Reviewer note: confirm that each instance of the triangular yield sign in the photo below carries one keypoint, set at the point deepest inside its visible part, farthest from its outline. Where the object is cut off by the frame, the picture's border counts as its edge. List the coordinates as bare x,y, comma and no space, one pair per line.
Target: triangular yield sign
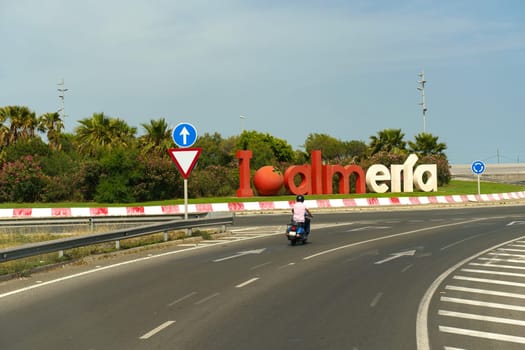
185,159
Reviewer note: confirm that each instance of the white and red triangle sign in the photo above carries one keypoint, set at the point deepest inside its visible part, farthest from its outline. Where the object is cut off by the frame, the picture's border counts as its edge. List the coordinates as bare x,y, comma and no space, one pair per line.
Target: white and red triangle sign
185,159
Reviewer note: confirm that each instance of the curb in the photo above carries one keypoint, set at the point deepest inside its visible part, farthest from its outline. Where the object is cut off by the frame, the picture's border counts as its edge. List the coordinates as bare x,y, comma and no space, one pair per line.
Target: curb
342,203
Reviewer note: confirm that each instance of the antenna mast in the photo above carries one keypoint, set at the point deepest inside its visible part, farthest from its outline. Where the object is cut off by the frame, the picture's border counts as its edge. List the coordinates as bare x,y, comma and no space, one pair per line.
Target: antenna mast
423,104
62,91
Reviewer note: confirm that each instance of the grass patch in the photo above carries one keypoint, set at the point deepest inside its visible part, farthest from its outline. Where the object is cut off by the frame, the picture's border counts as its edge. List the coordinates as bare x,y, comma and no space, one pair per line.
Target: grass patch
455,187
24,267
16,239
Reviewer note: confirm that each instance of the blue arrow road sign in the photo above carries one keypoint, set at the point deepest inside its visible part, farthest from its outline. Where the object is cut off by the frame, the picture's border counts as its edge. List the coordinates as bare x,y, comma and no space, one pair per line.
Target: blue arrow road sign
478,167
184,135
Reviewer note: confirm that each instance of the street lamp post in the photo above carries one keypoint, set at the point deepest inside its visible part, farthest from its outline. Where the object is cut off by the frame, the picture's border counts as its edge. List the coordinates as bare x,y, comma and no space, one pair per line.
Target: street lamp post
423,104
243,118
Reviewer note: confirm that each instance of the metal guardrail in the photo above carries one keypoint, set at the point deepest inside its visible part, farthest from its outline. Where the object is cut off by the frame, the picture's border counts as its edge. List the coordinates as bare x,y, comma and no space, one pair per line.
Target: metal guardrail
68,243
29,224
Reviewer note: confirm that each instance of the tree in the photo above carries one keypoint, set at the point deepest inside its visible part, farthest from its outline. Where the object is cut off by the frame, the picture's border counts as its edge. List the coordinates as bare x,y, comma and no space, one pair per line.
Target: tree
4,130
335,150
22,123
332,148
52,124
216,150
267,150
157,138
427,144
388,140
355,150
26,147
120,169
4,135
103,133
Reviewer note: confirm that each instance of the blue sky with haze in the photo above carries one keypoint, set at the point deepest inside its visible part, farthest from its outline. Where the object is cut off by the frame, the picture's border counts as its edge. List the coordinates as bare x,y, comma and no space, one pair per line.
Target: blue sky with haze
345,68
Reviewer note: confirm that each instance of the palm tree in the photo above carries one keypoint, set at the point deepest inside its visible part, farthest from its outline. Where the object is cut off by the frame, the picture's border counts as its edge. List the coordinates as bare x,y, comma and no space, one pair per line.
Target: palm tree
427,144
53,125
157,137
4,130
23,122
388,140
4,135
102,132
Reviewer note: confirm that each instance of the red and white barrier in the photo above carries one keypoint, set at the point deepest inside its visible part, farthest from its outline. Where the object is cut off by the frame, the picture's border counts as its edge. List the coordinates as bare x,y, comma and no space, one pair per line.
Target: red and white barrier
253,206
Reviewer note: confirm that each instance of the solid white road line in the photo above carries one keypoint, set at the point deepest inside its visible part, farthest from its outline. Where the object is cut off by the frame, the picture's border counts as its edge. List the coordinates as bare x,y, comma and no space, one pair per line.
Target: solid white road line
188,246
88,272
481,318
156,330
247,282
484,335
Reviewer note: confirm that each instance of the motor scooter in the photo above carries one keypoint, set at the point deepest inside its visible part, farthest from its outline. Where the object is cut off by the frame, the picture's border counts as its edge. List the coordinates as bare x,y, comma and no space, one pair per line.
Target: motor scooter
298,231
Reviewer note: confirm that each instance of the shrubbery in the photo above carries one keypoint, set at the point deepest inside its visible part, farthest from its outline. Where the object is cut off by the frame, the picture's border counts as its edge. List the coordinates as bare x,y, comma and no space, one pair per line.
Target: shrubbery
104,161
22,181
125,177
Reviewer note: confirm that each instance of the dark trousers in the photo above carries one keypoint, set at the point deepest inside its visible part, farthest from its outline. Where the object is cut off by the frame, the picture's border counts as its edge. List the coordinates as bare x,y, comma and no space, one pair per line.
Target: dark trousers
307,225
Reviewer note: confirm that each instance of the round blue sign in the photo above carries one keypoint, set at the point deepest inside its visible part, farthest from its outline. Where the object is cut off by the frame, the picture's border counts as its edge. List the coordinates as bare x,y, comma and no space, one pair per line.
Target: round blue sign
478,167
184,135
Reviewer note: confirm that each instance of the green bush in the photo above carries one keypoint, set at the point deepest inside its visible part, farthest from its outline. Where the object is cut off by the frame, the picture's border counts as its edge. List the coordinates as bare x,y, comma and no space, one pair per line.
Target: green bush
22,181
159,179
213,181
87,178
114,189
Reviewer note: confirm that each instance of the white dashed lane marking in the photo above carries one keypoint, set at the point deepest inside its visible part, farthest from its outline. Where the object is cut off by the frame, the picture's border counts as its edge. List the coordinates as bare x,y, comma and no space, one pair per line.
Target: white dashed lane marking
157,330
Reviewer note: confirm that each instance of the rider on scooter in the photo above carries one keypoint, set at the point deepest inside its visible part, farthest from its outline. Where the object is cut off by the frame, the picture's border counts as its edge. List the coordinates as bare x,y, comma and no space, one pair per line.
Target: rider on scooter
301,214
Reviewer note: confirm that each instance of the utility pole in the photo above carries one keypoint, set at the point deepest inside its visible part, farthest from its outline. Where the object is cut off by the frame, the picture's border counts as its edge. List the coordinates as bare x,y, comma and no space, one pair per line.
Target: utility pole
62,91
423,104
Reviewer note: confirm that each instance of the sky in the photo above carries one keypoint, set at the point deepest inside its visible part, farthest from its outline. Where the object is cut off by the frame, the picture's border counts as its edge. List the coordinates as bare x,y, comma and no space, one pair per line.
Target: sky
290,68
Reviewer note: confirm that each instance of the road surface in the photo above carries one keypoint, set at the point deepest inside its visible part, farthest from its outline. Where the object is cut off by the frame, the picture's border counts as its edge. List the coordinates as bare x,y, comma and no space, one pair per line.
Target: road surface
408,279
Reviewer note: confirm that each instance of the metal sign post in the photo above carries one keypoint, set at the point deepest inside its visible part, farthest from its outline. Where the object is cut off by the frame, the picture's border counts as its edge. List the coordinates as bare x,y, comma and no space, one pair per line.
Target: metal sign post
185,199
184,135
478,167
185,159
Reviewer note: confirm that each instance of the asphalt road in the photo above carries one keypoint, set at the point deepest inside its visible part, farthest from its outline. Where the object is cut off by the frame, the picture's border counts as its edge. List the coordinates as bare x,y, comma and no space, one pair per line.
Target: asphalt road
408,279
